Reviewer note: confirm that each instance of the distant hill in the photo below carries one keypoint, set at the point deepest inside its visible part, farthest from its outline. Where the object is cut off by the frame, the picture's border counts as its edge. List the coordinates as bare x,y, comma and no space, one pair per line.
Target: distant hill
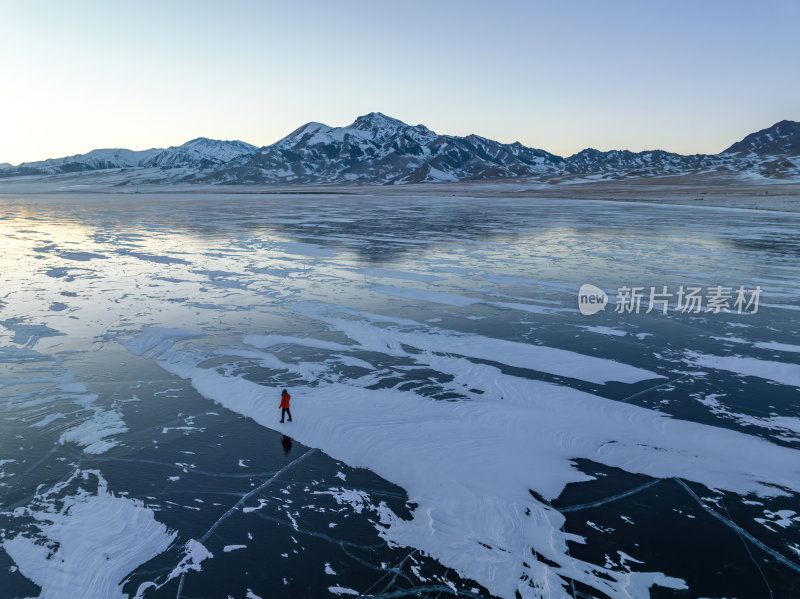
379,149
782,139
201,153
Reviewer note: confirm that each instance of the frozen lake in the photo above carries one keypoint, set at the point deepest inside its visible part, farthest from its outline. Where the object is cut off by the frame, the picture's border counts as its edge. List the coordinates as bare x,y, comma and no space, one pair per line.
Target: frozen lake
460,428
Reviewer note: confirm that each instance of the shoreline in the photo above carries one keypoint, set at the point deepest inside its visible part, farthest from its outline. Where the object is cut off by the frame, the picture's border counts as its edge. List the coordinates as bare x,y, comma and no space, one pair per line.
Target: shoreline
687,190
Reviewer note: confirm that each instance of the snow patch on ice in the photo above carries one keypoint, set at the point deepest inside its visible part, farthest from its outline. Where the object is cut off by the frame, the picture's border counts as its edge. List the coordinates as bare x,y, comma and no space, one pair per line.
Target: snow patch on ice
262,341
601,330
779,372
512,353
778,346
93,434
194,555
337,590
87,545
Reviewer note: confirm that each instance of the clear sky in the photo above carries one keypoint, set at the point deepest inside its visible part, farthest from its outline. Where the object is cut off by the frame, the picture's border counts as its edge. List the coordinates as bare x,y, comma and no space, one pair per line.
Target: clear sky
682,75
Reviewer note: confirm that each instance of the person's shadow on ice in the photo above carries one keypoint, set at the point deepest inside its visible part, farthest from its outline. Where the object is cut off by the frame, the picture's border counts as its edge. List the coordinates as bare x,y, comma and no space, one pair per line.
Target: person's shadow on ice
286,442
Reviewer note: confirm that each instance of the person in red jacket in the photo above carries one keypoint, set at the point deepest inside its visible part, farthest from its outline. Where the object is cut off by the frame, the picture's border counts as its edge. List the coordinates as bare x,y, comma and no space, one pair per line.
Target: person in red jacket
285,397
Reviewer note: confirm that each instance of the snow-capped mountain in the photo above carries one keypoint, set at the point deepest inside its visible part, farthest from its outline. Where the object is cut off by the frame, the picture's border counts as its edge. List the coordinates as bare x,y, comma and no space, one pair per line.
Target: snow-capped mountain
378,149
771,152
782,139
94,160
200,153
624,163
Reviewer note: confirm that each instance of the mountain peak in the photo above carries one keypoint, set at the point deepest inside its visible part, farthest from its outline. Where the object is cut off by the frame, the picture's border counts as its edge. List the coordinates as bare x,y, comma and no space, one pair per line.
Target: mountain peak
200,150
310,128
376,120
208,142
382,128
783,138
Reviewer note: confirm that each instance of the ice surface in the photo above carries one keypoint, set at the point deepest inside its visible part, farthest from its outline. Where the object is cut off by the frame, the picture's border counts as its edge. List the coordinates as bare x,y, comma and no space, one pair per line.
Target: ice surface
26,333
474,452
395,274
272,340
437,297
150,337
86,544
434,346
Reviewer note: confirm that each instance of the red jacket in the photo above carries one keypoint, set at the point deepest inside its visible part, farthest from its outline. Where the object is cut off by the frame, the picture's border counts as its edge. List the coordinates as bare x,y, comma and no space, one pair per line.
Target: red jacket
285,401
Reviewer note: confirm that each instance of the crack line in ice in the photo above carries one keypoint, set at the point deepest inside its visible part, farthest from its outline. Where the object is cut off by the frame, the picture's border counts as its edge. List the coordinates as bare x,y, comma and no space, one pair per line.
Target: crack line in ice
241,501
749,553
191,471
742,532
653,388
396,569
342,543
584,506
425,589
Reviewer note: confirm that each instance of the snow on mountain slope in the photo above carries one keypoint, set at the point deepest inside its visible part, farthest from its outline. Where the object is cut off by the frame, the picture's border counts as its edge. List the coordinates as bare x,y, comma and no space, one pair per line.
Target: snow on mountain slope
782,139
770,153
376,148
201,153
624,163
94,160
197,155
305,131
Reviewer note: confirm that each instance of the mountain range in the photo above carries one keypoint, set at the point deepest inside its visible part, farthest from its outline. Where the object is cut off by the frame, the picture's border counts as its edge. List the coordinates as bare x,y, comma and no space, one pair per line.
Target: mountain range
378,149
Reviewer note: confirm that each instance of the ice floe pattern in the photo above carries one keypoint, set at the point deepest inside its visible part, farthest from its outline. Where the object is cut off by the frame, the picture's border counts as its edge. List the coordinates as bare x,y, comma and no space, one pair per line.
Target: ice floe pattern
469,465
96,434
779,372
152,337
436,344
84,543
41,392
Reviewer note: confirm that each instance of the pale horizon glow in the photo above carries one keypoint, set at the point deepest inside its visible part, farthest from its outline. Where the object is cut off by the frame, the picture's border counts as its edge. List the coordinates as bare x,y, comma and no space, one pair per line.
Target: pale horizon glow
688,77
